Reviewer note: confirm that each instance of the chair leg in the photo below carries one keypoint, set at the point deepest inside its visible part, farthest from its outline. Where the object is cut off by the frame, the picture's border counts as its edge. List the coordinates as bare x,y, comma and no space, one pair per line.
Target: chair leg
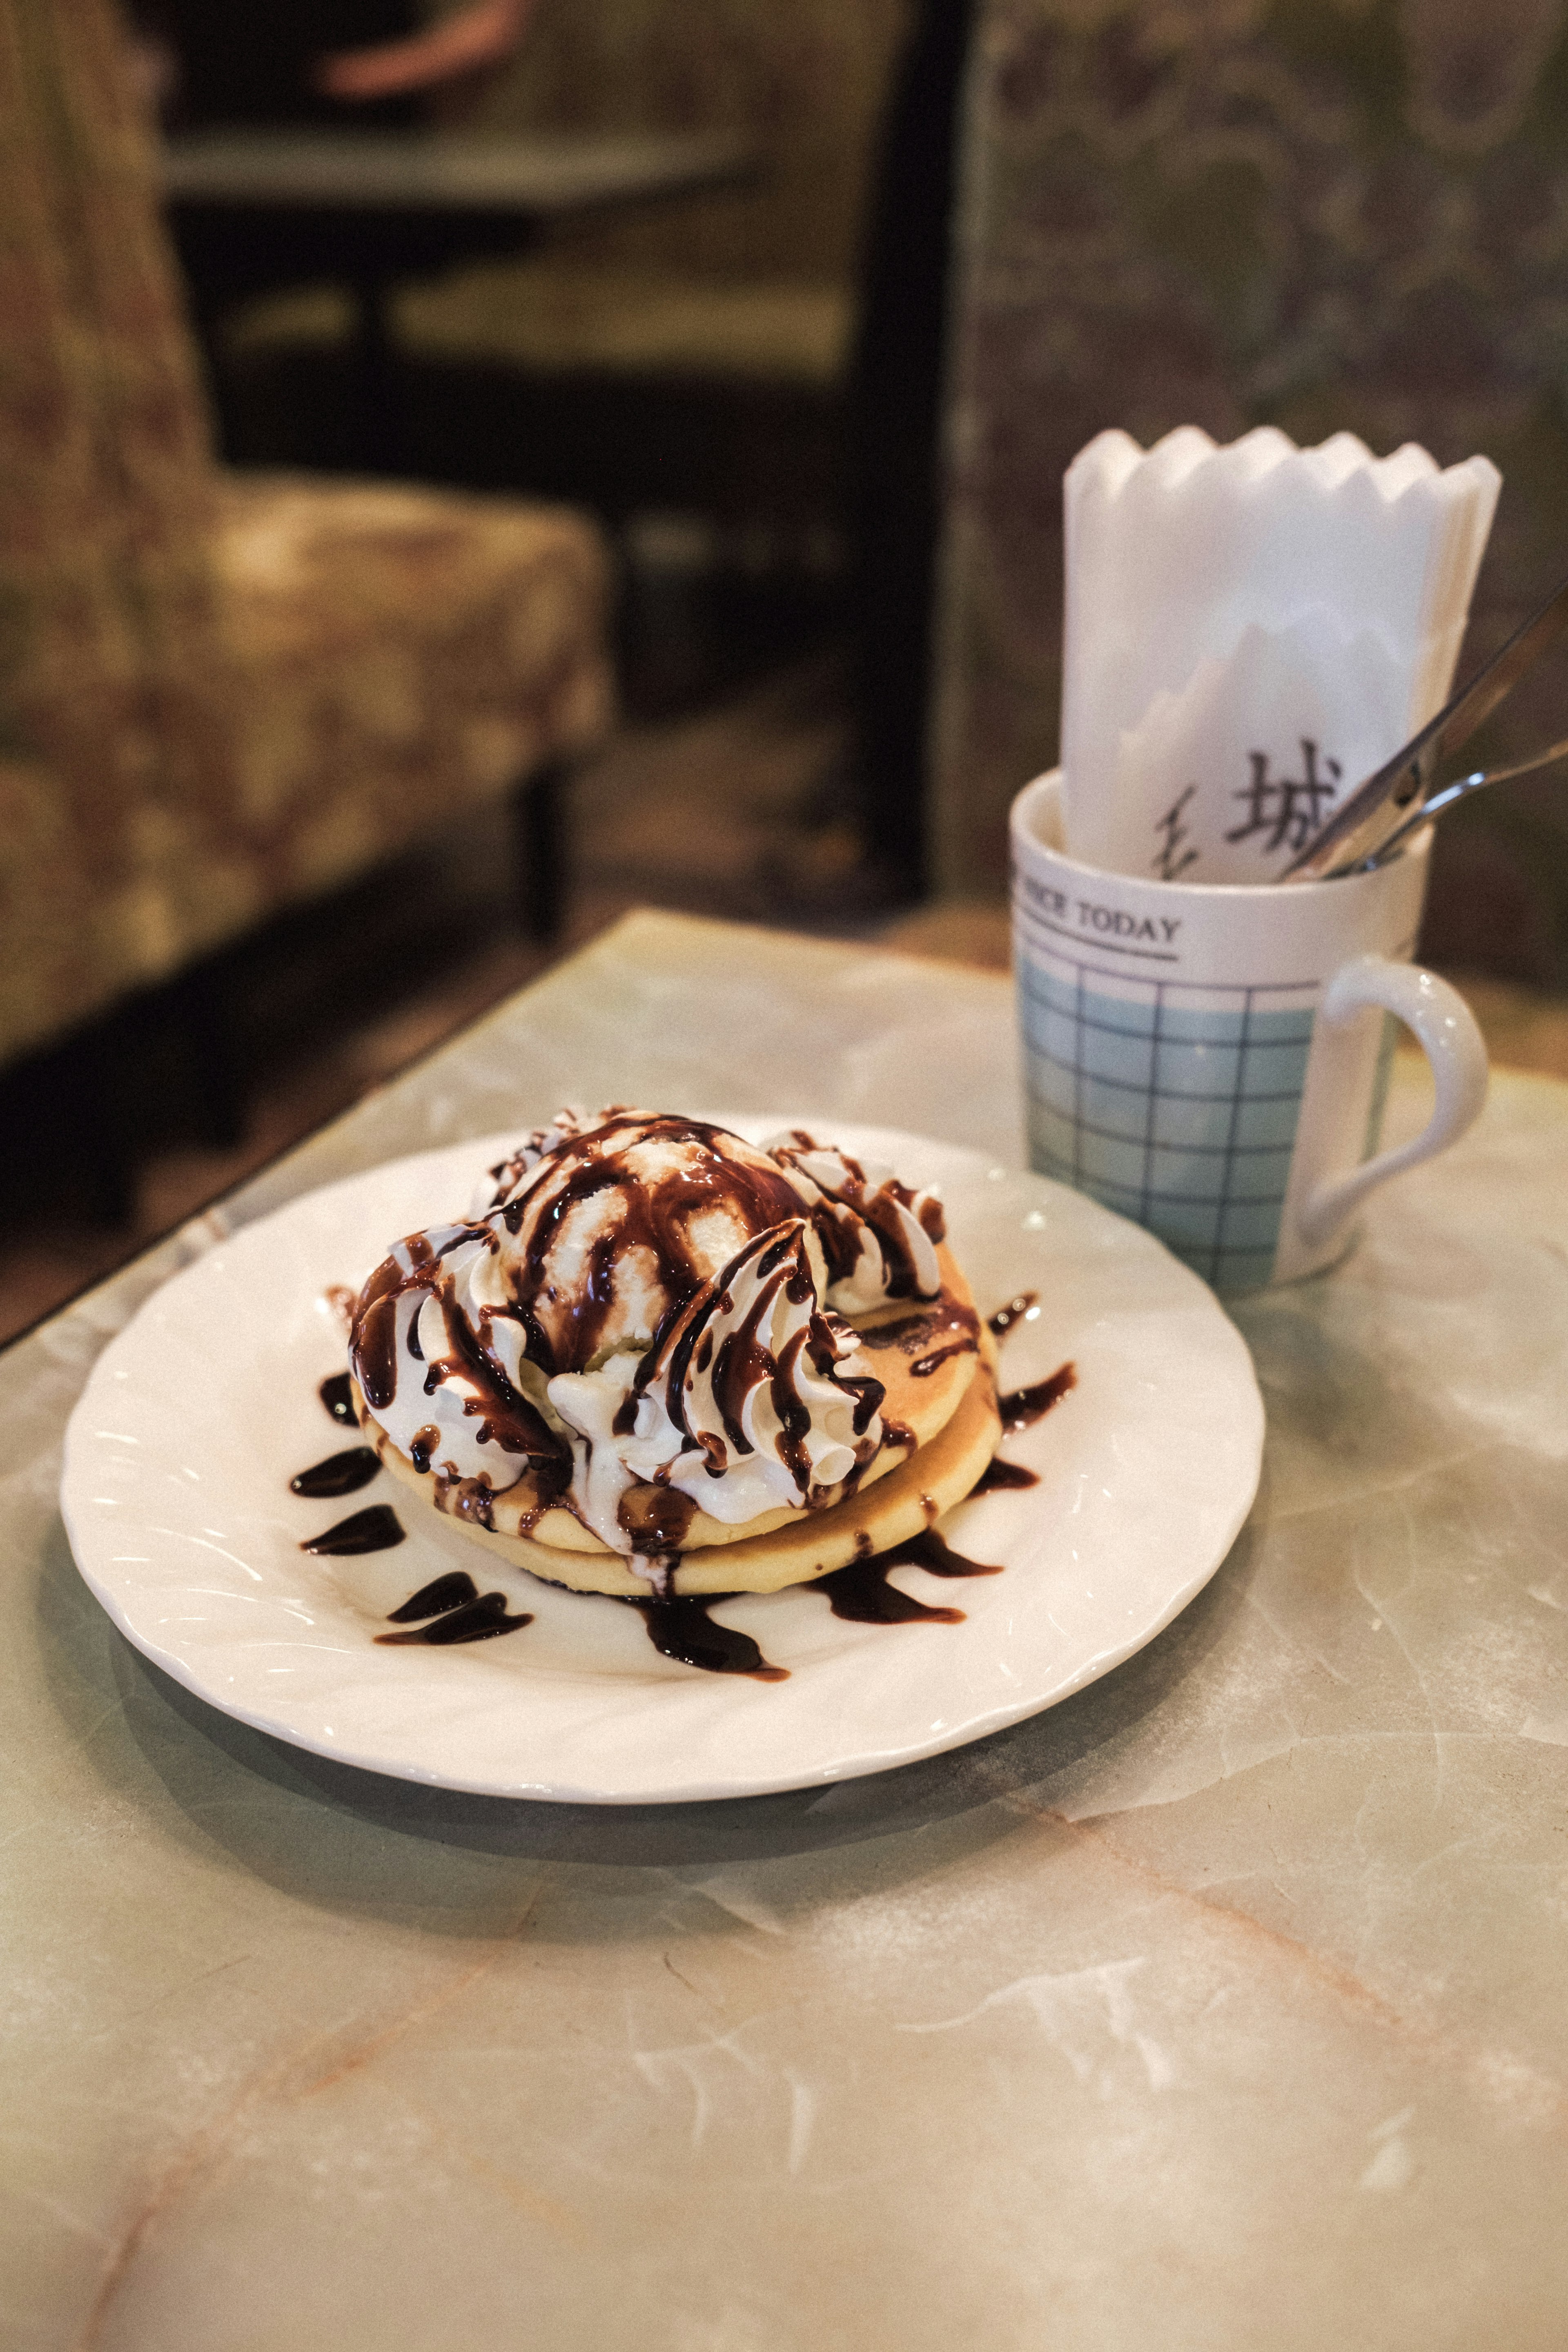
105,1122
203,1017
538,849
378,423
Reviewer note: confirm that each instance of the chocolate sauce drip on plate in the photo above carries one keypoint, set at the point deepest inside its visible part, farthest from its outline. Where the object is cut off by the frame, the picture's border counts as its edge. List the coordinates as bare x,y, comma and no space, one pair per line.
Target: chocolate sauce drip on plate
861,1591
476,1621
340,1474
1013,1312
376,1528
1023,1407
336,1395
682,1629
998,1473
862,1594
434,1599
936,1556
458,1612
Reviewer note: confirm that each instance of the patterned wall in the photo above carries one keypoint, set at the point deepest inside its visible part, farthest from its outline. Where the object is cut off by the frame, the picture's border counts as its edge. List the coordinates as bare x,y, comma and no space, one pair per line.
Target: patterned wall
1320,213
217,694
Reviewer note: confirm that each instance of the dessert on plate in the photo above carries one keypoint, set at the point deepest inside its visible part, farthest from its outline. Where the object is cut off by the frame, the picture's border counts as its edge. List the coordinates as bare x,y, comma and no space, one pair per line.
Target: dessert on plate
656,1358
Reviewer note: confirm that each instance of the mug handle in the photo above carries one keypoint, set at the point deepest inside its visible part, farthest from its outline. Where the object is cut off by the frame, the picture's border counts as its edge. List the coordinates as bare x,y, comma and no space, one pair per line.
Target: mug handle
1448,1032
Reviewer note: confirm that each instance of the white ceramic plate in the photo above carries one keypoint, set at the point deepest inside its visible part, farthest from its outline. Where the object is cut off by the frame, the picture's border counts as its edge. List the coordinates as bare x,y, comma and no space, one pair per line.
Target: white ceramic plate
175,1494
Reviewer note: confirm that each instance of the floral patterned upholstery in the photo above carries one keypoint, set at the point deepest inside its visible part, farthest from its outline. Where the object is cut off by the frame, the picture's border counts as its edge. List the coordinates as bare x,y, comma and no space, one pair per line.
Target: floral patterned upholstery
218,694
397,654
1238,212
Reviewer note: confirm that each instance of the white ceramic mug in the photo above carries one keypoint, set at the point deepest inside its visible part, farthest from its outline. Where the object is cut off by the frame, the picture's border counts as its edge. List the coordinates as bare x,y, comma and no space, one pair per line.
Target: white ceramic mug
1211,1059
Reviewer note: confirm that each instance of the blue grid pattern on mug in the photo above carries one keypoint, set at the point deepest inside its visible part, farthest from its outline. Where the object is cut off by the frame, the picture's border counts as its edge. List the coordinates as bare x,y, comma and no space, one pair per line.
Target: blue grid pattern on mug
1175,1105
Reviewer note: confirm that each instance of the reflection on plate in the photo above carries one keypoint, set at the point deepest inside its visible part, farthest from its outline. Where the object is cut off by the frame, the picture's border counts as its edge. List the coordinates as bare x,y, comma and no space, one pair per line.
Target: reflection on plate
176,1494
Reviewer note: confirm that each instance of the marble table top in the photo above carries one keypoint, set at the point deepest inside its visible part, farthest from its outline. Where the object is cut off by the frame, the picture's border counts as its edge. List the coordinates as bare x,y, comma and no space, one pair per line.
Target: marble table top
1220,2007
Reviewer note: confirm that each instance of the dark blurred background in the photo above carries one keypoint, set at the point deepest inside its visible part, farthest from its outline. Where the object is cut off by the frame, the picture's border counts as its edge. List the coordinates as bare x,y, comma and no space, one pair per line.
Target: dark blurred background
403,574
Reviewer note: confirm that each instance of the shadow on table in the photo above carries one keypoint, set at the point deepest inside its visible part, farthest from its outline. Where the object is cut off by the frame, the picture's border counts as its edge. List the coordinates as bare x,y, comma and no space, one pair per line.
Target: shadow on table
331,1832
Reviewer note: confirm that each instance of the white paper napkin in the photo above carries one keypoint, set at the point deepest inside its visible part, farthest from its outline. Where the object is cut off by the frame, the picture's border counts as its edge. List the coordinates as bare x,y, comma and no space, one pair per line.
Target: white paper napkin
1249,631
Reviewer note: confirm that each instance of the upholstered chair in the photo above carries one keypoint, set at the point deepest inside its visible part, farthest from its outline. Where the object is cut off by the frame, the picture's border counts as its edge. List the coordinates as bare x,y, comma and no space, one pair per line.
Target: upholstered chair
221,694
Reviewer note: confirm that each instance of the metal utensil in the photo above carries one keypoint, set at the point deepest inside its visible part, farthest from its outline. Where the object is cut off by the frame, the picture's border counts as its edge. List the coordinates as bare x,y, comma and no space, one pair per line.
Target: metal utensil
1404,792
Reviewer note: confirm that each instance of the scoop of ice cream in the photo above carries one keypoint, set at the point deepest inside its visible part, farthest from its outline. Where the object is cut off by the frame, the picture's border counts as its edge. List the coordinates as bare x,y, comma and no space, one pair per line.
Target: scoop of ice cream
646,1303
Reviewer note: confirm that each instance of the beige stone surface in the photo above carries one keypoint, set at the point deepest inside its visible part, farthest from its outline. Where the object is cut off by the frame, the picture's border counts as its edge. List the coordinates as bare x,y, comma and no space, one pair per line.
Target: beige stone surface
1219,2007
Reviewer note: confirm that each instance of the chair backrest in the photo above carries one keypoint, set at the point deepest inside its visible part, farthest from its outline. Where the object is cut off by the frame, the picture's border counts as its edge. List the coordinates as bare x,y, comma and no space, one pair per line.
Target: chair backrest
113,707
106,475
1318,217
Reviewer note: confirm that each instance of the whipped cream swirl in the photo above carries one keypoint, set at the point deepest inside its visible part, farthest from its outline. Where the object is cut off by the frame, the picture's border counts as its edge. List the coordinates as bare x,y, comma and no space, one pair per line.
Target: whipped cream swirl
644,1318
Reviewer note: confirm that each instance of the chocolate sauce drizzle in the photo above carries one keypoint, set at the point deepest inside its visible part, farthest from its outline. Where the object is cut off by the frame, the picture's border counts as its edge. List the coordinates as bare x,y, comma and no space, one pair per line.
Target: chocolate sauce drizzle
861,1591
656,1219
340,1474
474,1500
953,1327
998,1473
336,1394
505,1415
451,1610
682,1629
433,1600
659,1222
376,1528
657,1518
458,1611
877,1206
743,1364
1023,1407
